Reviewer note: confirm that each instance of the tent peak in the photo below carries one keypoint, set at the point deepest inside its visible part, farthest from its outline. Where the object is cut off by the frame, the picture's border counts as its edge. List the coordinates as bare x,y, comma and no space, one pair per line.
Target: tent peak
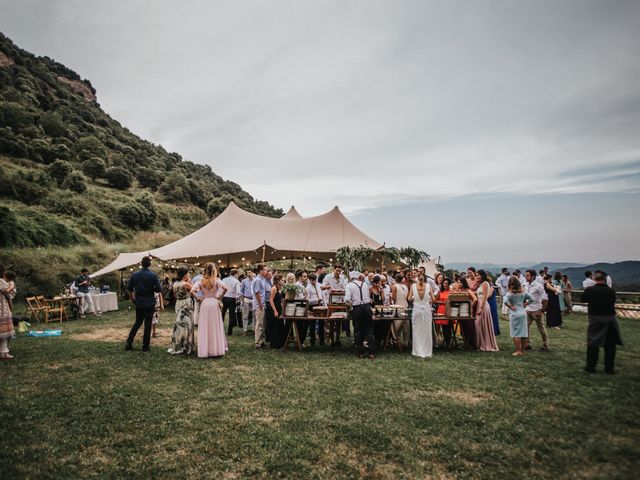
292,213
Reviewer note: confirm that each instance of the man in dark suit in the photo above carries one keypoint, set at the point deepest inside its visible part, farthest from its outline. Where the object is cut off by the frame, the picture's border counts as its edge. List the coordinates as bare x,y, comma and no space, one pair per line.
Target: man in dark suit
143,285
603,330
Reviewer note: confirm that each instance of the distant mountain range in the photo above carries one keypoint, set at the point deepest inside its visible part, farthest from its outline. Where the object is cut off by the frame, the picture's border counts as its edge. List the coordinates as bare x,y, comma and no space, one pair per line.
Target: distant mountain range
494,267
625,275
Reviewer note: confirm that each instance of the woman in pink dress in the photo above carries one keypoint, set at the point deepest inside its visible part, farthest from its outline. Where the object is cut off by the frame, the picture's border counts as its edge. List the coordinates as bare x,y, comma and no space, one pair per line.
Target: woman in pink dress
211,339
485,336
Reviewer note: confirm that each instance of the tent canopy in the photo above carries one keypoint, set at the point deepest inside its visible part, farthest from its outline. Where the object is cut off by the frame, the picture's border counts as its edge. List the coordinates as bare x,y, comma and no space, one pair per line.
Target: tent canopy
292,213
123,260
236,237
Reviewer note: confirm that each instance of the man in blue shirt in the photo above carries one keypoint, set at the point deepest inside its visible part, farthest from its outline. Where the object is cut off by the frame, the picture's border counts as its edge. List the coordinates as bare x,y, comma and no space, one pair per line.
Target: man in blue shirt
259,301
142,287
247,300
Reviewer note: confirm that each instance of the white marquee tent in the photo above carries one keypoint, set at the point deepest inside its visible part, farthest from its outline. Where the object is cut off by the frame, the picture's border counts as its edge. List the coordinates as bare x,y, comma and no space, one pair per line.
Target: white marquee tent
237,237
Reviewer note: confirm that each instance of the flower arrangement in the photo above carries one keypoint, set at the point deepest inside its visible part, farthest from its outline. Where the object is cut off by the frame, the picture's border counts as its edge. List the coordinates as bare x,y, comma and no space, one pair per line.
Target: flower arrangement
290,290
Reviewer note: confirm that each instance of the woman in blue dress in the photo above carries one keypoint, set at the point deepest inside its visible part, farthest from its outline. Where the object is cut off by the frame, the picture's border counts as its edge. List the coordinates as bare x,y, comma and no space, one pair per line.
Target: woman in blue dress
515,300
493,306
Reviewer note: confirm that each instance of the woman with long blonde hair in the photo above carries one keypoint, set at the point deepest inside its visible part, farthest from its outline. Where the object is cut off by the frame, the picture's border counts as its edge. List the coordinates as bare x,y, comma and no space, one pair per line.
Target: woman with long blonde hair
211,339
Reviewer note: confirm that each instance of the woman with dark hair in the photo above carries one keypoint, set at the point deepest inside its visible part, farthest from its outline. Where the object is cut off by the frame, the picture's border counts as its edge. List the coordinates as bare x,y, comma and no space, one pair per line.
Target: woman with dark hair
566,293
559,284
7,292
380,327
273,313
443,326
182,338
493,306
516,300
468,326
485,338
554,314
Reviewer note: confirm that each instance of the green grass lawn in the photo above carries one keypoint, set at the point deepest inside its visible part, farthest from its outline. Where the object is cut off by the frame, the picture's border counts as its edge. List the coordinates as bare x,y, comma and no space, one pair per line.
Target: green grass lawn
79,406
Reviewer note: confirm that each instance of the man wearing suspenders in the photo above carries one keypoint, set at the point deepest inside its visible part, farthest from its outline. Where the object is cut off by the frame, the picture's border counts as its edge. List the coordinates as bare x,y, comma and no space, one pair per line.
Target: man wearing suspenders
357,295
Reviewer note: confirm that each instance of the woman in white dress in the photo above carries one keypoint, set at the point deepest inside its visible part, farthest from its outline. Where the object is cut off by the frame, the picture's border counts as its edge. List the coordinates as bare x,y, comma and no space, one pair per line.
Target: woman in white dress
399,293
422,320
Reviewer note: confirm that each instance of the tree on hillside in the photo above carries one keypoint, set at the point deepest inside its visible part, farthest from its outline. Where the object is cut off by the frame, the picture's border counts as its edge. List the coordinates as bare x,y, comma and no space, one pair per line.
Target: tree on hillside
175,187
59,171
149,177
16,116
75,183
217,205
53,124
139,214
90,146
94,167
119,178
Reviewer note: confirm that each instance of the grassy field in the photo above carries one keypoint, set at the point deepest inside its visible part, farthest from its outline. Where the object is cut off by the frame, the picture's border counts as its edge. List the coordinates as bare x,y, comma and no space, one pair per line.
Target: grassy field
79,406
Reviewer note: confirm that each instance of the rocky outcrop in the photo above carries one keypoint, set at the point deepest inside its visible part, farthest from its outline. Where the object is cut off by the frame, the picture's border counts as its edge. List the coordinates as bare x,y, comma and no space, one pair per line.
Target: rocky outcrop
78,87
5,61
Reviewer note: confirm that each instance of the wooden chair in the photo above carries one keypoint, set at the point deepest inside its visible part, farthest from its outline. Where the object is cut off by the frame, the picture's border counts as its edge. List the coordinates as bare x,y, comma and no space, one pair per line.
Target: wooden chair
52,308
34,310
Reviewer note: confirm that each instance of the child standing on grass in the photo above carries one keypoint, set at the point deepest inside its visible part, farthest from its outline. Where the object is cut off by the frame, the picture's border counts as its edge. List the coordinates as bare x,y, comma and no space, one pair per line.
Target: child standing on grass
156,313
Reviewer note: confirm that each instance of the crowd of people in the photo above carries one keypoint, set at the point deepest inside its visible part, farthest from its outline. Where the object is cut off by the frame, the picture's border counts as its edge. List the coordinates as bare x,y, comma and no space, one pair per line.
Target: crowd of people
254,301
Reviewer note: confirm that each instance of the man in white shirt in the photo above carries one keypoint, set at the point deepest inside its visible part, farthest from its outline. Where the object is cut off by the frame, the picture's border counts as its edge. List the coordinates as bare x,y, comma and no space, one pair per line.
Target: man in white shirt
503,284
386,291
230,299
536,308
247,300
588,280
539,277
314,296
357,295
302,280
335,281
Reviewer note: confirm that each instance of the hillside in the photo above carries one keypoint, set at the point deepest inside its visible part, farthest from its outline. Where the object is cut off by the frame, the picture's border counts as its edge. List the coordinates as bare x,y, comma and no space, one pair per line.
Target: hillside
77,186
625,275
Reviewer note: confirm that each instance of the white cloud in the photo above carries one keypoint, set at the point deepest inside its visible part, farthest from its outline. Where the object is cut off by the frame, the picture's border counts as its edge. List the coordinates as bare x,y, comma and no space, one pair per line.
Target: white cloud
365,104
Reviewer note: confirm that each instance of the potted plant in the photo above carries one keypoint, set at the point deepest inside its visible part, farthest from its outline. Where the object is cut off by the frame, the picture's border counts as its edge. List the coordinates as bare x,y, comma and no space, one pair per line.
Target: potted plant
290,290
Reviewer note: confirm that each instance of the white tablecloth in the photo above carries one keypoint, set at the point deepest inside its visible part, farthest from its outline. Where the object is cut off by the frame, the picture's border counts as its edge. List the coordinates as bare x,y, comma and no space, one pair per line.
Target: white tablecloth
104,302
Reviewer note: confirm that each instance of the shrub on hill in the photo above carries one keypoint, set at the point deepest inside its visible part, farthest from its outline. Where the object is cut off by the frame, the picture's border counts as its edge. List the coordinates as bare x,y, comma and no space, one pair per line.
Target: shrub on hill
119,177
75,183
33,229
94,167
59,171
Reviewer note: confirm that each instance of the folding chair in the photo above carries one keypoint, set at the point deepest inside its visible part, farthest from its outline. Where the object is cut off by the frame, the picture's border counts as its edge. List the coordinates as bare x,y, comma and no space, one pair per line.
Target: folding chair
53,308
34,309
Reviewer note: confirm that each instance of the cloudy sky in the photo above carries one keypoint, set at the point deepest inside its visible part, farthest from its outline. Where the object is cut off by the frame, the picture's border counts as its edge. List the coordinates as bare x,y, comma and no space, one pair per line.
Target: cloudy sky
502,131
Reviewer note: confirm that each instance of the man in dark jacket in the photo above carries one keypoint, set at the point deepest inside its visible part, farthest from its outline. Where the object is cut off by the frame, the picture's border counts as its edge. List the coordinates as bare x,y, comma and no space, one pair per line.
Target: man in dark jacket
143,285
603,330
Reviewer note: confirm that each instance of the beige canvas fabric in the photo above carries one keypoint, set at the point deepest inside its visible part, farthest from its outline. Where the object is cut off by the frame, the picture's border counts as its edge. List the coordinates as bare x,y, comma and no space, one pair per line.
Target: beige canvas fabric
292,213
123,260
236,237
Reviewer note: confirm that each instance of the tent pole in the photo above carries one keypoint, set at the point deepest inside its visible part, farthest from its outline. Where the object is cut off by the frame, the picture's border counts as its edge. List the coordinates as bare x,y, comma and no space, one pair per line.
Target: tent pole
228,260
264,251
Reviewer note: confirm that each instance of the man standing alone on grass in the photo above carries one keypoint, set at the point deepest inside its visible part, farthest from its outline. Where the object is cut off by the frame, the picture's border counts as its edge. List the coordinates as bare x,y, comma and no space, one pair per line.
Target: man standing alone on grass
83,282
603,330
143,285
